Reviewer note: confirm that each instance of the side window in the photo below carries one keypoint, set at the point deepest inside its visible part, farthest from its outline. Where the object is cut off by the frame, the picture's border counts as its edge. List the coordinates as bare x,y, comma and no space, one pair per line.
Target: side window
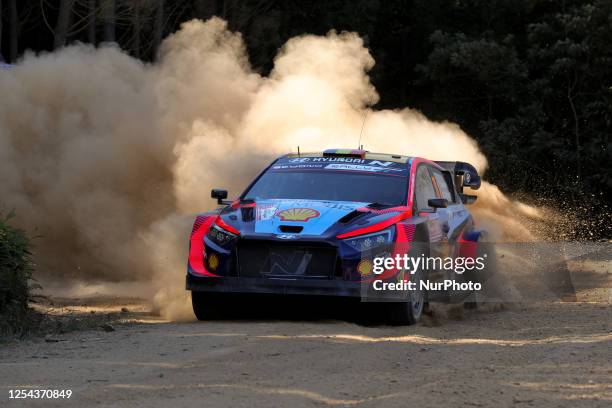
442,185
424,189
450,181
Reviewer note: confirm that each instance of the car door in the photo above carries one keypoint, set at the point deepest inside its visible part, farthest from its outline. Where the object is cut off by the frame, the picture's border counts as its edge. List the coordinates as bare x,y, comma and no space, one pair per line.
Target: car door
455,216
425,190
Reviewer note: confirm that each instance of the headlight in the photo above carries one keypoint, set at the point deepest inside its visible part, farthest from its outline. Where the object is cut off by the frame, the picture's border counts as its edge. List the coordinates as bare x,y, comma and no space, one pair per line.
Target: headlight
371,241
219,236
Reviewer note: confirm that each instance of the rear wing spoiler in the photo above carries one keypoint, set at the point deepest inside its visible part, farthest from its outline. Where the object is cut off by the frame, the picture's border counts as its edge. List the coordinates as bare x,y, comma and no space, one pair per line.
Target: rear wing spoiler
464,175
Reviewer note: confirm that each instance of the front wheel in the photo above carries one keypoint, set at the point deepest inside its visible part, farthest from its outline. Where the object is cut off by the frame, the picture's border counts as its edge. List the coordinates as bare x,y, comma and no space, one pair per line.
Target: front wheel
410,311
205,306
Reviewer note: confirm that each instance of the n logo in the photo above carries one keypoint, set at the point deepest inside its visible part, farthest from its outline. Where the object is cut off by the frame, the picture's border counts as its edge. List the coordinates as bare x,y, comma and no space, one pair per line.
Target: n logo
292,263
379,163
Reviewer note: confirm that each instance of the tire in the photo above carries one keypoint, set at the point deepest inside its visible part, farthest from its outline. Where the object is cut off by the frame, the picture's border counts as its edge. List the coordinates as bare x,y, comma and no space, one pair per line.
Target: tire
489,278
410,311
205,306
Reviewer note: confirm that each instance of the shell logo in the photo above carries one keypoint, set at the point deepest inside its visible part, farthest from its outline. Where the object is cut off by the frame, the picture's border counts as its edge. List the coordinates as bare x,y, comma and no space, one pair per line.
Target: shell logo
297,214
365,267
213,262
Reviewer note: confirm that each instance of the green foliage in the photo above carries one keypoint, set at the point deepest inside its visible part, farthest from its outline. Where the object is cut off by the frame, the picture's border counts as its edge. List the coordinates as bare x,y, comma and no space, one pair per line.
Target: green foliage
15,275
537,96
571,61
484,72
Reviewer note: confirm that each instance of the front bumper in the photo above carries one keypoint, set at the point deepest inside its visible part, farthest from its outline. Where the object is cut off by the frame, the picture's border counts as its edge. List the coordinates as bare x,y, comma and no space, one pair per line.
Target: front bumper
319,287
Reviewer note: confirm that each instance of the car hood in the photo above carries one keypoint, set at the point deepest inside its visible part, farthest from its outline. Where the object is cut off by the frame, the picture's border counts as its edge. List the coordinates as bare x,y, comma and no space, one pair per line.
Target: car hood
315,217
268,216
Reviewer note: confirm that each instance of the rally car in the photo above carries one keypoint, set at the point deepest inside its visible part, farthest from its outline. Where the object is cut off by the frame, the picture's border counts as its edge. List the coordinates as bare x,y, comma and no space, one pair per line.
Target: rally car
312,223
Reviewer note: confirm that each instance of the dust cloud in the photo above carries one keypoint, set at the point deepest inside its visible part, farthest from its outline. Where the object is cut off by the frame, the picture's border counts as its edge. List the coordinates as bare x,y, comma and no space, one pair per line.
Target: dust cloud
107,159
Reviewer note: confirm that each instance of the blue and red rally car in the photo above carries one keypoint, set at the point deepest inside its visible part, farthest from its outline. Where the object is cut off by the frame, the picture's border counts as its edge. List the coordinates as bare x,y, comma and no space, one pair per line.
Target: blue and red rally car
311,224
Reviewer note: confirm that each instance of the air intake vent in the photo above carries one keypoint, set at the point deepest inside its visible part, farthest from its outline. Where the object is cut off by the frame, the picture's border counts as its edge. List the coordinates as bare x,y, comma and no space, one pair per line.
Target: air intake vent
350,216
291,228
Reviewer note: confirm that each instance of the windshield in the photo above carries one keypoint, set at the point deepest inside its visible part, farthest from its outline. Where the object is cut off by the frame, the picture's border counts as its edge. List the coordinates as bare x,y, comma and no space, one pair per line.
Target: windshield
330,186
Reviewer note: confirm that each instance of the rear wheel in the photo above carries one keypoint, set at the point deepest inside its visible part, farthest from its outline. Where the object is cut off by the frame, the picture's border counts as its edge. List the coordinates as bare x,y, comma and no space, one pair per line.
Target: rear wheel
487,277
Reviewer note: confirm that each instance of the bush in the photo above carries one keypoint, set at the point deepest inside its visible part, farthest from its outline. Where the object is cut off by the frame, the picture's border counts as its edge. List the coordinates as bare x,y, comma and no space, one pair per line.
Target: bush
15,276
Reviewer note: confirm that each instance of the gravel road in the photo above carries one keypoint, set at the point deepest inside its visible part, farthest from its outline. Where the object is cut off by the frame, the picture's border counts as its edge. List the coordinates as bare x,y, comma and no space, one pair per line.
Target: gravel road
552,354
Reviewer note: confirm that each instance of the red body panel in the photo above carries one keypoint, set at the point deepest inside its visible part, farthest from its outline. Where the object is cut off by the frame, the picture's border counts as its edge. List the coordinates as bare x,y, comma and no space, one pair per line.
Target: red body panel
196,248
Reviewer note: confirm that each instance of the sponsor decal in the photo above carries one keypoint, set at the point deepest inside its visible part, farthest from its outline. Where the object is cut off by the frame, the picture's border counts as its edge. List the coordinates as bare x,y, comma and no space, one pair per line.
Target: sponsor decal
379,163
357,167
213,262
341,160
339,164
265,212
365,267
297,166
326,160
338,206
286,236
298,214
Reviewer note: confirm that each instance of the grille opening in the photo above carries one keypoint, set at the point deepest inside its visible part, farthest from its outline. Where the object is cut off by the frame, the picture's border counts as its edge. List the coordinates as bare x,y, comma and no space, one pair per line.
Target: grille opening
338,272
291,228
286,259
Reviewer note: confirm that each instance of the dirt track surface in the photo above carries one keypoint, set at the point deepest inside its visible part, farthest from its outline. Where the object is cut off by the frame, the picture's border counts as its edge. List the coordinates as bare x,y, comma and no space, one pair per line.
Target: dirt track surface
549,355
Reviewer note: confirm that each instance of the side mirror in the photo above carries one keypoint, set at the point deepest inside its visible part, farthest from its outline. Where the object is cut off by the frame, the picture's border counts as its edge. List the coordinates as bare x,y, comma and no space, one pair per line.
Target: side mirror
468,199
219,194
471,180
437,202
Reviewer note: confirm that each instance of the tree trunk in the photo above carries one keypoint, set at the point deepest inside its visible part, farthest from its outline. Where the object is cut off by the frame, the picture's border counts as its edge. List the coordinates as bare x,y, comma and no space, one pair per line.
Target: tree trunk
108,16
221,8
13,29
136,28
1,57
63,23
158,28
91,24
570,98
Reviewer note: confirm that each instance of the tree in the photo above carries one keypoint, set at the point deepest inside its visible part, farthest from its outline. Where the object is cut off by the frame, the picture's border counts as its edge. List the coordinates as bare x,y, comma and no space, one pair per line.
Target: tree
91,21
136,20
536,94
571,59
108,17
479,78
63,23
158,27
1,57
13,30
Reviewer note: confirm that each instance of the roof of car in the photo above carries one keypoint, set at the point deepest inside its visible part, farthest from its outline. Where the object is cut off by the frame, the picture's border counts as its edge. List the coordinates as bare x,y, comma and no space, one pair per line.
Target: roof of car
397,158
